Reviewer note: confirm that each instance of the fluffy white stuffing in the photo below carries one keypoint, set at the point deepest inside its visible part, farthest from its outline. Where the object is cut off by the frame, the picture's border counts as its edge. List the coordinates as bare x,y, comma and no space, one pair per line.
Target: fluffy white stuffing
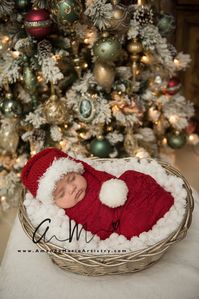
59,226
113,193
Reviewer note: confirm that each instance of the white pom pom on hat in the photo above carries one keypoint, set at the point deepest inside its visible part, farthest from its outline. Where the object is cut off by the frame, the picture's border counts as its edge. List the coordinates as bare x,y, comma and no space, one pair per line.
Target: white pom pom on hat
113,193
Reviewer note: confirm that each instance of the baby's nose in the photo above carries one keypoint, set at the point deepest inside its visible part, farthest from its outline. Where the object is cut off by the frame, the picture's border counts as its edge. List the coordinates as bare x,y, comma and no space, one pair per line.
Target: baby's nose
72,188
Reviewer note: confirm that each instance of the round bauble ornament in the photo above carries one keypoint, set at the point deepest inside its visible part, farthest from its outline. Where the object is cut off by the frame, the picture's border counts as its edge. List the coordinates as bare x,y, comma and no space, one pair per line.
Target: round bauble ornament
67,11
166,24
120,19
55,111
38,23
173,86
10,107
134,47
176,140
9,137
100,147
22,5
104,74
107,48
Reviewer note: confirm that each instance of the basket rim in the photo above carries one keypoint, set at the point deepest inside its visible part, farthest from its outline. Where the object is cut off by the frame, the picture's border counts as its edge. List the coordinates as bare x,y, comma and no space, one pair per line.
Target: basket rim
165,243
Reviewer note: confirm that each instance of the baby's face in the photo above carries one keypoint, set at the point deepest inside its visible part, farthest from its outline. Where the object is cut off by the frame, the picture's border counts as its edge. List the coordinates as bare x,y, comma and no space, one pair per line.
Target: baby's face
70,190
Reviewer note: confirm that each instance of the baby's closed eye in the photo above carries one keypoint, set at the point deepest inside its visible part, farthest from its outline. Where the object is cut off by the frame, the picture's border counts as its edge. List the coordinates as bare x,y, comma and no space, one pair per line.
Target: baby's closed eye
60,192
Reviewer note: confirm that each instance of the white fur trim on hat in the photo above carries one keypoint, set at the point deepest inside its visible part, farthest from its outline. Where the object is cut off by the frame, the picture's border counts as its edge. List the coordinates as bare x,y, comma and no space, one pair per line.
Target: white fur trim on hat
113,193
54,172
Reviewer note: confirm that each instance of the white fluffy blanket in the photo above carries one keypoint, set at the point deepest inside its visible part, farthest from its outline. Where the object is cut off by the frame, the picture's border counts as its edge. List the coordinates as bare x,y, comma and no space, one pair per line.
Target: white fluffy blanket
59,225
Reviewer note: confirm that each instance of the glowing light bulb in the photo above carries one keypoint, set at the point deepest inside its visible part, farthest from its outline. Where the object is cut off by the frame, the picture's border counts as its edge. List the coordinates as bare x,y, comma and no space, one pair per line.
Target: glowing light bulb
177,62
193,139
15,54
145,59
173,119
5,40
3,198
164,141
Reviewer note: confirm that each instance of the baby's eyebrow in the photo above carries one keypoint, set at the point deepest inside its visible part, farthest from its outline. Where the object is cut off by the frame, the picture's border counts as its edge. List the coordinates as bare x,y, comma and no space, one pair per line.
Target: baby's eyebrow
70,175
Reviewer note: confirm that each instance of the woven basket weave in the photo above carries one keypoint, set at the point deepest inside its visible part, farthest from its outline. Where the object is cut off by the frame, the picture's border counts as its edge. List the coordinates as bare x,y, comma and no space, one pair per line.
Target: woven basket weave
103,264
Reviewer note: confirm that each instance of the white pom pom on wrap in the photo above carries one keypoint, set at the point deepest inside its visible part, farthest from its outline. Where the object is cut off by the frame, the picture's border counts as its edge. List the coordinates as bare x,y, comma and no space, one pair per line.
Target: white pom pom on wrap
113,193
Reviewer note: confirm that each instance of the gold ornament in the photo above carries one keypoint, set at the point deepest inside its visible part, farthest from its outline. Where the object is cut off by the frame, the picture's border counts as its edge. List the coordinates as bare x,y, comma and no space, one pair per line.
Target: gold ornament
120,19
130,143
135,48
160,126
9,137
115,2
147,59
55,111
78,61
142,2
104,74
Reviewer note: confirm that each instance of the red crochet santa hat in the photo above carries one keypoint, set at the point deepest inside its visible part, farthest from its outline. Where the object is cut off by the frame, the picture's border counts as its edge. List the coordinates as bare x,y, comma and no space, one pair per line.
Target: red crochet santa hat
45,169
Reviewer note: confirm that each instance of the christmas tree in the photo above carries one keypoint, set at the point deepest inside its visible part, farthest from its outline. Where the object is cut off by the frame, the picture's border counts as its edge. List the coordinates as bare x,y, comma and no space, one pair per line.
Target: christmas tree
95,78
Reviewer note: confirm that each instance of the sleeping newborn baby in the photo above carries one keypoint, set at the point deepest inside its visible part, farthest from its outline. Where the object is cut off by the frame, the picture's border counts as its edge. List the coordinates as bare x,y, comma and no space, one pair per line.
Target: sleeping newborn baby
102,203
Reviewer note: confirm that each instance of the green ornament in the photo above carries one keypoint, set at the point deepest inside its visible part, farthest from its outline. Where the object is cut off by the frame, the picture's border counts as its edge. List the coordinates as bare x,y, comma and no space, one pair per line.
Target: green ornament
107,48
11,107
67,11
176,140
34,101
166,24
100,147
29,80
24,58
22,4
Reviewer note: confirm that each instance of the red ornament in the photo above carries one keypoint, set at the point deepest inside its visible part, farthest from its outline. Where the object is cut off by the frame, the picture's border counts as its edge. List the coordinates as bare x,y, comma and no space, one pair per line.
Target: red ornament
173,86
38,23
